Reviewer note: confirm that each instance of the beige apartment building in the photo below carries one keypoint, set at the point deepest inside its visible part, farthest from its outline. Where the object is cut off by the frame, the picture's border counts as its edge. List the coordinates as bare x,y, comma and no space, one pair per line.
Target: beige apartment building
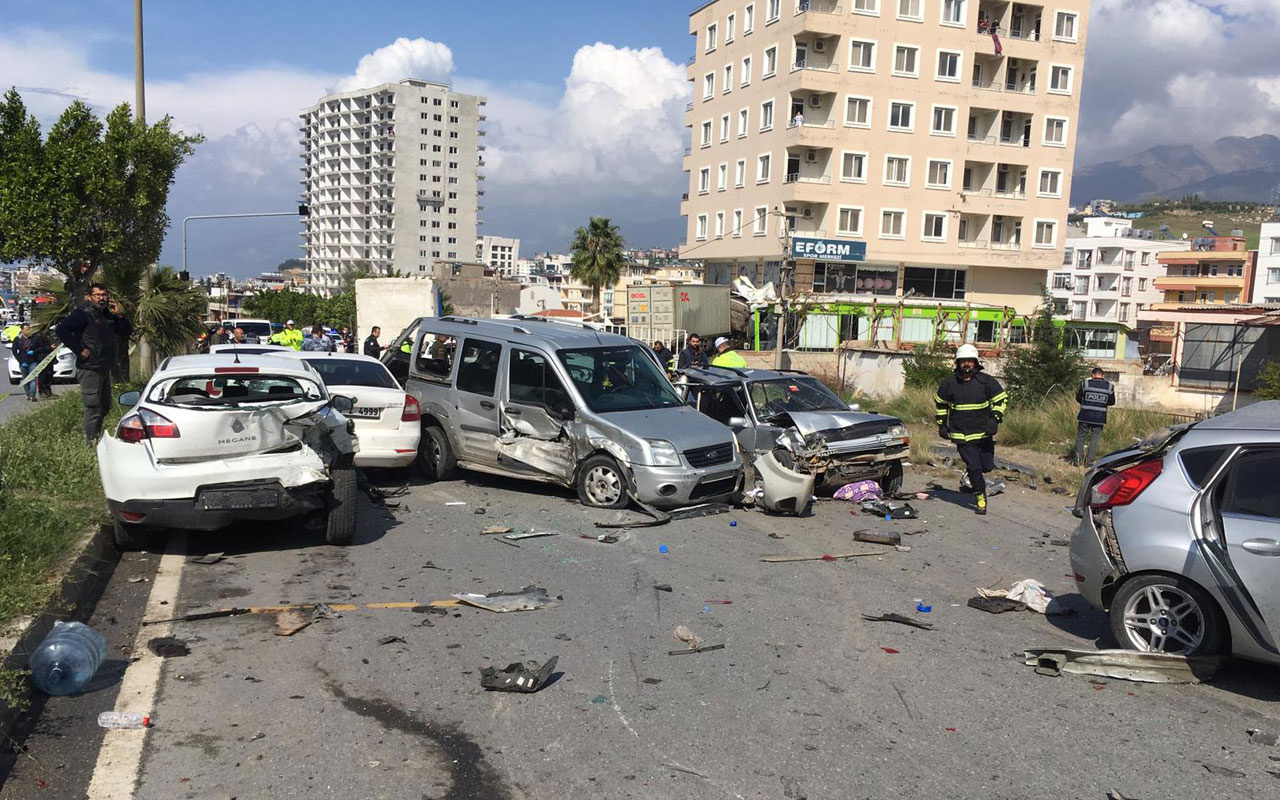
937,134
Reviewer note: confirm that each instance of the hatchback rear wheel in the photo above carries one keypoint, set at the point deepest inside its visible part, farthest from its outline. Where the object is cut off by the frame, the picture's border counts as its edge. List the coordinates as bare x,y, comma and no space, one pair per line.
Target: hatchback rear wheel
1167,614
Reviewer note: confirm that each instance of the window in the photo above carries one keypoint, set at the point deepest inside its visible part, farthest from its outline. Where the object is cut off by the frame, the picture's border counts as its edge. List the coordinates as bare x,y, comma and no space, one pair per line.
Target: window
1061,280
1082,284
706,133
853,167
719,224
704,180
711,37
897,170
748,19
759,224
1250,487
892,222
722,177
762,168
945,284
724,127
862,55
939,176
1078,309
729,24
1055,131
952,12
948,66
904,61
1142,284
944,121
770,62
737,222
849,221
773,10
1046,233
740,173
857,112
701,232
1064,26
531,381
743,114
1050,183
478,367
911,9
766,115
900,115
708,86
866,7
1126,287
935,227
1060,80
727,83
435,357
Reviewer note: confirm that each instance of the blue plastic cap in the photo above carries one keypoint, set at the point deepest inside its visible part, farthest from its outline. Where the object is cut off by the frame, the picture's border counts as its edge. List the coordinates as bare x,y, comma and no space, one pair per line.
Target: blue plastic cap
662,548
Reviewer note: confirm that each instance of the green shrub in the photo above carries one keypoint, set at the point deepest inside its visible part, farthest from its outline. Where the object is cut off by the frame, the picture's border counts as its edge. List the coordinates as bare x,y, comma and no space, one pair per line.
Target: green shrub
1268,384
1050,366
927,366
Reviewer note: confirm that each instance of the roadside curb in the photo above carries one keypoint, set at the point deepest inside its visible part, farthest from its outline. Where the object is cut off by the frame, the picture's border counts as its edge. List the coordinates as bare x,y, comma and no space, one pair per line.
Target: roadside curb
78,592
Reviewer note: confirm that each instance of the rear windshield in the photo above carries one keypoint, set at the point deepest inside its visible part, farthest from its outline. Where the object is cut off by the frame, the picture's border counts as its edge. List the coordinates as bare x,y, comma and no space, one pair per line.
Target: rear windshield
618,379
261,329
234,390
352,372
782,395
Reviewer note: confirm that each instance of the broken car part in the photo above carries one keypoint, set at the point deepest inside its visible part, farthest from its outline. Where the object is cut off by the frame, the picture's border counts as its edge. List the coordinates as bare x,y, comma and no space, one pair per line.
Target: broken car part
530,598
900,619
691,651
785,490
517,677
1126,665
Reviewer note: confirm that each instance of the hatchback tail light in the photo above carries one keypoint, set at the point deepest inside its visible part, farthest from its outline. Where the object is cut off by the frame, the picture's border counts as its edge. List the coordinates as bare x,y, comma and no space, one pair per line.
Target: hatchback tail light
412,411
1123,487
146,424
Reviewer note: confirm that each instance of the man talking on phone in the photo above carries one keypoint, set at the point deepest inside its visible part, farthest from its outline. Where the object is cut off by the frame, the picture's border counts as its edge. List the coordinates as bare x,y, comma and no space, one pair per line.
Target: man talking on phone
97,334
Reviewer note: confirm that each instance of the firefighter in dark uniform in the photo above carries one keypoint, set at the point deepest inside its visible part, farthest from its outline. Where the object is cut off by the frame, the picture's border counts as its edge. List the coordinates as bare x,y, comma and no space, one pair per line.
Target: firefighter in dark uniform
970,406
1095,396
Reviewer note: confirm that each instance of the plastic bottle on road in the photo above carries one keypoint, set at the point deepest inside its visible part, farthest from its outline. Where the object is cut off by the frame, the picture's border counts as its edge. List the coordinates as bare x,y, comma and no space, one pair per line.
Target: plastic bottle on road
123,719
67,658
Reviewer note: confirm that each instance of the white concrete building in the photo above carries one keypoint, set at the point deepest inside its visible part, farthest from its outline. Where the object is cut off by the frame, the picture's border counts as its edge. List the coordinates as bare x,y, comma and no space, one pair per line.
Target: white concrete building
391,176
499,253
1108,271
1266,281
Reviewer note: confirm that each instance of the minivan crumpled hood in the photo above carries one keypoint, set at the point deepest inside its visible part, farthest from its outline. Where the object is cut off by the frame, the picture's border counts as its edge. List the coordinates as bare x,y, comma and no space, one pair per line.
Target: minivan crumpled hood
685,427
865,423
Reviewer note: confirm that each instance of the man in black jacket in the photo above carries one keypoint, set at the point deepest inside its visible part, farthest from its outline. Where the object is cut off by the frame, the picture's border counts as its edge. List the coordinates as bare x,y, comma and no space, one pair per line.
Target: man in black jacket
30,349
97,334
371,346
969,408
1095,396
692,356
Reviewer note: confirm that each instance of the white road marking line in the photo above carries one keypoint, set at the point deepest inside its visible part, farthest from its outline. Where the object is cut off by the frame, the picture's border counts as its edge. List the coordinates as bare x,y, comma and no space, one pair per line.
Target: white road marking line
120,760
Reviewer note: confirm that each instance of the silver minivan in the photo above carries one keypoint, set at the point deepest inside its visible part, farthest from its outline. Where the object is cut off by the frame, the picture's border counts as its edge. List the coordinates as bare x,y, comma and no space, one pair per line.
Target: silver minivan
560,403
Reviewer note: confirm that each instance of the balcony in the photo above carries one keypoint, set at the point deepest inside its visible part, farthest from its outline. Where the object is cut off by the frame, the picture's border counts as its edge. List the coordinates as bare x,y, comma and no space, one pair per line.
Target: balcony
974,244
810,64
796,177
818,7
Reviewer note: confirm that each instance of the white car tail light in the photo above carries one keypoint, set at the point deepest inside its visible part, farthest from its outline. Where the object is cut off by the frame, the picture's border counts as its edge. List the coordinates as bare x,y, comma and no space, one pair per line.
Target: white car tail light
412,411
146,424
1123,487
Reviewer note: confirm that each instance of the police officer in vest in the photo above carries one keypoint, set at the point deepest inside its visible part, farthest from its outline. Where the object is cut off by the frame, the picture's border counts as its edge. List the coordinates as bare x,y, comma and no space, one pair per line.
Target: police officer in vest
1095,396
969,408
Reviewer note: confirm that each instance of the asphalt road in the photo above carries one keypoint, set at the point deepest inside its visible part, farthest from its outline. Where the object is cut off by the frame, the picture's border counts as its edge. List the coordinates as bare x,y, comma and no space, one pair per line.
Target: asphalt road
806,700
17,404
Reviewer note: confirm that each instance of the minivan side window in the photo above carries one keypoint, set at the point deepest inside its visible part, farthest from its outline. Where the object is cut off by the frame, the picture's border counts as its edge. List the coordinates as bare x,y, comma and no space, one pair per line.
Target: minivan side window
478,367
1251,488
435,356
531,380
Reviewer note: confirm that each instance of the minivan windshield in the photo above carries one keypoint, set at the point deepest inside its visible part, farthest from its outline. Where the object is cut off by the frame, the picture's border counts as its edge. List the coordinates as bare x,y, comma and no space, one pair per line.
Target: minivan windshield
800,393
261,330
618,378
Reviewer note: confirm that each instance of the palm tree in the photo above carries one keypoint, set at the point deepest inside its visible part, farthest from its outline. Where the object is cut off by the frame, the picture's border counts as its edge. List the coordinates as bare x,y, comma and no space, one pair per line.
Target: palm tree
597,256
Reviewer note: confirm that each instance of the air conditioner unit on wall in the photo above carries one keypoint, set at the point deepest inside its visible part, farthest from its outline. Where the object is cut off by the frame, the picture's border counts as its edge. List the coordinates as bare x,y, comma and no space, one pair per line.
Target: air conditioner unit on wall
807,213
811,156
820,46
815,100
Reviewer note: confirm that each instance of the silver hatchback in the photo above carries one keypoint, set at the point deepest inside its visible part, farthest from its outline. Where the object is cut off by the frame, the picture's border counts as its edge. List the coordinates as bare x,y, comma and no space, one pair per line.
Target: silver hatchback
1179,538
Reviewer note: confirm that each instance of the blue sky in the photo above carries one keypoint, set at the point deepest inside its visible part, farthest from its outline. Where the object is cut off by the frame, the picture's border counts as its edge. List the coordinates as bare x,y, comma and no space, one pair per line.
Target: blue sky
586,99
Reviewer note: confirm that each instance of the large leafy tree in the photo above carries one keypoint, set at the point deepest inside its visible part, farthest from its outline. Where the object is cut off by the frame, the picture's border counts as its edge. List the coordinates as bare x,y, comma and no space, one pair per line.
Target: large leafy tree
23,206
597,255
1051,365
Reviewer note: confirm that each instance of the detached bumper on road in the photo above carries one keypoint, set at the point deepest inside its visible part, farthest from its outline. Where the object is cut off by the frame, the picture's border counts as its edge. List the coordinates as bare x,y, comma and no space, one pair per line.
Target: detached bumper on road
189,514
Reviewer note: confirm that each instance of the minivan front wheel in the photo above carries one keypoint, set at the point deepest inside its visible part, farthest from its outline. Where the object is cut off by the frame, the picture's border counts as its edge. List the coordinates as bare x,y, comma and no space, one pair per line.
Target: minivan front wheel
602,483
1167,614
435,456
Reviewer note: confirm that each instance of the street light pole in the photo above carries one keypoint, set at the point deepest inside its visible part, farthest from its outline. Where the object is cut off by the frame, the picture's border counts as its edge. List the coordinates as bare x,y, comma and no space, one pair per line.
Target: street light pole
139,80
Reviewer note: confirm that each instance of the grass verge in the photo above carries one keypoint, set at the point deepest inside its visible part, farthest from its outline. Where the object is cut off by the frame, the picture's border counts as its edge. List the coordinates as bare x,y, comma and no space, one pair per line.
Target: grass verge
50,495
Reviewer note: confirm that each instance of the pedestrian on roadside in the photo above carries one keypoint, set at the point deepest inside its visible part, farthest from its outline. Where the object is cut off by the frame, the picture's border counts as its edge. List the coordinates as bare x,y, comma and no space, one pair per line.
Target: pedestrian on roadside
1095,396
663,354
726,356
24,350
97,334
371,346
348,340
692,357
290,336
969,408
43,347
318,341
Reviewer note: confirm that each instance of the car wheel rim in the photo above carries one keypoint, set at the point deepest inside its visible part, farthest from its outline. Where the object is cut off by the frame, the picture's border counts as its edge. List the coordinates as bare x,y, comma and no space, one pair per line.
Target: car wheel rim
604,486
1164,619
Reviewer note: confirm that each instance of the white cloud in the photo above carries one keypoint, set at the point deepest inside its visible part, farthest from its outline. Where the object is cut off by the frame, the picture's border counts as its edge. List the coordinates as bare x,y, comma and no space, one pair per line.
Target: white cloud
404,58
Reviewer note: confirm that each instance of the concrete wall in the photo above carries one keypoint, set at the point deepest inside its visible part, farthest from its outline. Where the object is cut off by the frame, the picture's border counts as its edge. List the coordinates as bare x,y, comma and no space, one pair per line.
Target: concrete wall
392,303
481,297
875,373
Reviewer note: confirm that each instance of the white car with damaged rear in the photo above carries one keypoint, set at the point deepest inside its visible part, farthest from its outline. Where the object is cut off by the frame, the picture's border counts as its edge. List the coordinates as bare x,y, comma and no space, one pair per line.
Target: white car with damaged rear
388,421
214,439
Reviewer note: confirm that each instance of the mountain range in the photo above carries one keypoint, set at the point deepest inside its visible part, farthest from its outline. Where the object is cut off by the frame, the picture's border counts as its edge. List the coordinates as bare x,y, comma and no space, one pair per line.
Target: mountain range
1231,168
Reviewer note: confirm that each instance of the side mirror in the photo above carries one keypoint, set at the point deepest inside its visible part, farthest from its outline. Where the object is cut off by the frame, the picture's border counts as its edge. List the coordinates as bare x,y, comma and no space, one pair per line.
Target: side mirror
342,403
129,399
737,422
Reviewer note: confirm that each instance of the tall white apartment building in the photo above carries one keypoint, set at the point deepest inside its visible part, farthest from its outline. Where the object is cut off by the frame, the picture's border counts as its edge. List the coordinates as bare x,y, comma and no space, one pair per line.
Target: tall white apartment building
498,252
391,175
906,148
1108,271
1266,282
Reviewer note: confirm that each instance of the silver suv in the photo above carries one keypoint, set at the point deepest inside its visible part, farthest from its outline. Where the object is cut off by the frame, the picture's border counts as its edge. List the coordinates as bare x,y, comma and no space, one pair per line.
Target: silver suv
1179,538
560,403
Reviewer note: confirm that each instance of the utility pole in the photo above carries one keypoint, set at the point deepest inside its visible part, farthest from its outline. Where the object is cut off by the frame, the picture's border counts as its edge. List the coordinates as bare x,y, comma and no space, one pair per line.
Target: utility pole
139,79
784,278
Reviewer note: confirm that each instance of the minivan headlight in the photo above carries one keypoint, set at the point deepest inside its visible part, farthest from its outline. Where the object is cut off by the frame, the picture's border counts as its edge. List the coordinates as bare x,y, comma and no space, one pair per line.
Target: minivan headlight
664,453
899,431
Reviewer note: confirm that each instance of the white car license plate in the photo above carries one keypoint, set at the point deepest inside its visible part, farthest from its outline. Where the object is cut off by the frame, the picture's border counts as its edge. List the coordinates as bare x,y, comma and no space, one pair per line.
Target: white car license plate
232,499
367,412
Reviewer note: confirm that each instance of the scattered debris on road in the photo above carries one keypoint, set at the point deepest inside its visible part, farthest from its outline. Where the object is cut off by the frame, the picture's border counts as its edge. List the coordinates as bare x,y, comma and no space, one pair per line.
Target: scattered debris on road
994,605
890,510
211,558
1265,739
496,529
528,677
391,639
688,637
704,649
530,598
1033,595
877,537
859,492
826,557
291,621
517,537
900,619
168,647
1126,665
1226,772
662,587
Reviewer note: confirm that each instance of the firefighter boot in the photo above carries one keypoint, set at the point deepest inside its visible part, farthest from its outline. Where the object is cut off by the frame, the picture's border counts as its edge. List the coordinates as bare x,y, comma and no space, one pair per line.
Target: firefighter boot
982,503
